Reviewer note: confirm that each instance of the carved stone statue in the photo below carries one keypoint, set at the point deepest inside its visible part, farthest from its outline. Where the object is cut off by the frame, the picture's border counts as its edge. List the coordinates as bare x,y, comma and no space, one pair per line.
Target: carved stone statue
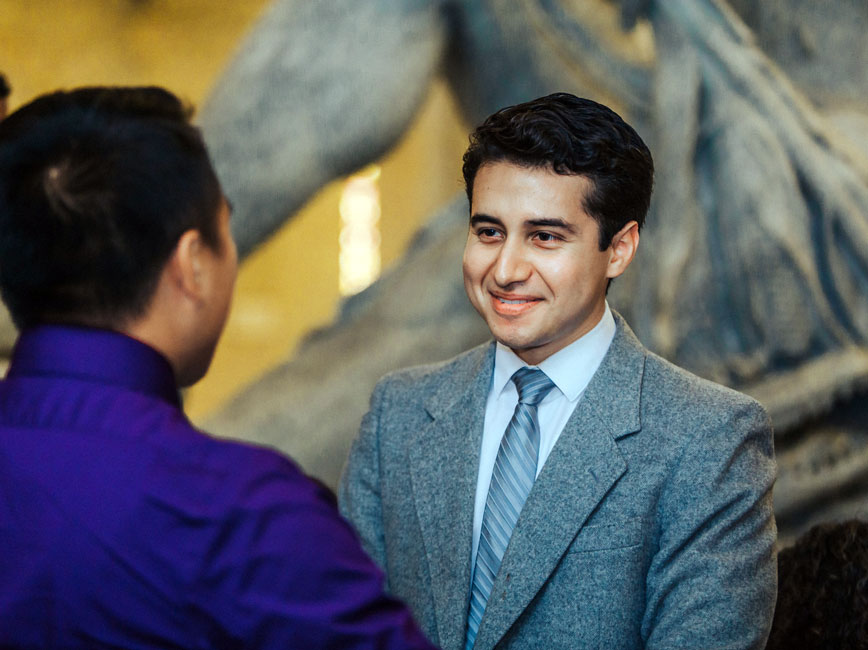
753,269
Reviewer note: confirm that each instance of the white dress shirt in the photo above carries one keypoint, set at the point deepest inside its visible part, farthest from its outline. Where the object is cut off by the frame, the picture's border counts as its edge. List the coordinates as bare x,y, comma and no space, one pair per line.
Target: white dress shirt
570,369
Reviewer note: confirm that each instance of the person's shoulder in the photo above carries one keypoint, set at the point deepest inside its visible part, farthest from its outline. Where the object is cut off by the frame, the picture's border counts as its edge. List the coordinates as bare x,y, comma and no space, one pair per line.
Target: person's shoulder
247,457
684,413
677,389
680,388
234,482
433,375
211,465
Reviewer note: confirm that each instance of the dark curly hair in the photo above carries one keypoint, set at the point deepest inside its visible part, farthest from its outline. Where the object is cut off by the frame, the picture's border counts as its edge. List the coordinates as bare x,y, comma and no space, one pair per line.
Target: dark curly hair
823,590
571,135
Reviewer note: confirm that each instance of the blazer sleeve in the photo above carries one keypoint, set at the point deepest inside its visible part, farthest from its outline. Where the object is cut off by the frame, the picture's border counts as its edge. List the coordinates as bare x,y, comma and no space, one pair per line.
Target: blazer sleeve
713,580
359,489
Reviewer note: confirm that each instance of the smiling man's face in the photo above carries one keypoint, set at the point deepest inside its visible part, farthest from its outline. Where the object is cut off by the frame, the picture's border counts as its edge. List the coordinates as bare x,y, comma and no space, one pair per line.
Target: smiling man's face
533,268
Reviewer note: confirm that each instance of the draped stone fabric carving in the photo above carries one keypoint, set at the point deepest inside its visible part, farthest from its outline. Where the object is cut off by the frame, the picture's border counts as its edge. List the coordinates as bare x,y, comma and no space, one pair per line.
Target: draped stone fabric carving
753,268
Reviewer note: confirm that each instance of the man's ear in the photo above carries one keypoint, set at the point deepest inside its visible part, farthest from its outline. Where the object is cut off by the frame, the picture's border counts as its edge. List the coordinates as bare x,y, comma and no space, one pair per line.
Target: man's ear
185,265
623,248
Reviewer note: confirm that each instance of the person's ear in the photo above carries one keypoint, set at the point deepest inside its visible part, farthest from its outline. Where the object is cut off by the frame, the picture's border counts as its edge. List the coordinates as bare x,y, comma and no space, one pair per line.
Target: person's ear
623,249
186,265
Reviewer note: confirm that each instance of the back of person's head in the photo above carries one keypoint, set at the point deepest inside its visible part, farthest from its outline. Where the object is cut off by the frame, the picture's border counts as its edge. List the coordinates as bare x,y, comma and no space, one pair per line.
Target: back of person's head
823,590
571,136
96,187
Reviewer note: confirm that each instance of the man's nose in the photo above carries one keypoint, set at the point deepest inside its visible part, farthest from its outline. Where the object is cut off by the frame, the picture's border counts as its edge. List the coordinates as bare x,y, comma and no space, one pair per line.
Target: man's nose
511,265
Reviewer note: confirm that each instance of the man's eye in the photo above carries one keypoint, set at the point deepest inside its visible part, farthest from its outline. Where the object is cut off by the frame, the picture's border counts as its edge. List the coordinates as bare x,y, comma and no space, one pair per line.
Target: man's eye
486,232
546,237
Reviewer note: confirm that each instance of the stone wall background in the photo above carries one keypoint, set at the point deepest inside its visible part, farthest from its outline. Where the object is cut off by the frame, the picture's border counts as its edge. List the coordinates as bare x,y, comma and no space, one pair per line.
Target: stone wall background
752,270
288,285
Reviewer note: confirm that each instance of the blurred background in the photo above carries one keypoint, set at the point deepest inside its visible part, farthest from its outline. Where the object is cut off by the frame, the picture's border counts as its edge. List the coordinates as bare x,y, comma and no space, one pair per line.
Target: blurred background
293,283
753,269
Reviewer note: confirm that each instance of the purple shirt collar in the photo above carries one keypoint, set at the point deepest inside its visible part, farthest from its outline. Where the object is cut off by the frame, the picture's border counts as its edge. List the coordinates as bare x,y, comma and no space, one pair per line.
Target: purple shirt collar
101,356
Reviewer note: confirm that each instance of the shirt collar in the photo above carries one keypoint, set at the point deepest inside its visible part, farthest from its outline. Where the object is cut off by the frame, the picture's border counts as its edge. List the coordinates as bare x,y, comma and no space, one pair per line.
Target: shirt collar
96,355
571,369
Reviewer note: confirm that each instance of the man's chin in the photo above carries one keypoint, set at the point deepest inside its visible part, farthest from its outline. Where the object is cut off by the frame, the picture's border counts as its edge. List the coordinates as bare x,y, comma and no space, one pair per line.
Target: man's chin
516,344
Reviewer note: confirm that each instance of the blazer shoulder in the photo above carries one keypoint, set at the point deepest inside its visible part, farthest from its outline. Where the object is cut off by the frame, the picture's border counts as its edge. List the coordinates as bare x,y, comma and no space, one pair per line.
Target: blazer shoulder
681,388
431,377
684,413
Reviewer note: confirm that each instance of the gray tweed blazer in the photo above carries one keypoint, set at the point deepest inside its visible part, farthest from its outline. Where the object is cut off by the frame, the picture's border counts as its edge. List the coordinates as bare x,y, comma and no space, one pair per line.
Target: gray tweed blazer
650,525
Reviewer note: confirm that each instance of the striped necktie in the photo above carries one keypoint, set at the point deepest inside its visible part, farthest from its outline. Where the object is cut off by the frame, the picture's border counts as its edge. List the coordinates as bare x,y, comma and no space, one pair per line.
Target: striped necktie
511,481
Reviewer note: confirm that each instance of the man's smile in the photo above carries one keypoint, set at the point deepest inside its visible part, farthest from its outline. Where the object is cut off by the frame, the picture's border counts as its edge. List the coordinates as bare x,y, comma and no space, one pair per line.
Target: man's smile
511,304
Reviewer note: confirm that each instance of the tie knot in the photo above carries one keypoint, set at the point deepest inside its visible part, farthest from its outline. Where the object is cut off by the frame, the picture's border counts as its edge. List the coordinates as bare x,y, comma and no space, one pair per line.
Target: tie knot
532,384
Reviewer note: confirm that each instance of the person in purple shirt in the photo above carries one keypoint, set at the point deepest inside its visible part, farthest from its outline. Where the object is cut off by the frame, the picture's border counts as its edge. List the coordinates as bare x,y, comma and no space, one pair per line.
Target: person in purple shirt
121,525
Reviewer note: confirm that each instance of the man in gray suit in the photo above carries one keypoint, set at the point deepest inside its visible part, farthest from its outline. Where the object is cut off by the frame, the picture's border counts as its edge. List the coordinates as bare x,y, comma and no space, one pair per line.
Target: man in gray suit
563,487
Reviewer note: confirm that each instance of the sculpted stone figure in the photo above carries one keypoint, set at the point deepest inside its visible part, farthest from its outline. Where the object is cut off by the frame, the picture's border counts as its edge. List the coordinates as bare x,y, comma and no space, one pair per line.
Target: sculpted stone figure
757,114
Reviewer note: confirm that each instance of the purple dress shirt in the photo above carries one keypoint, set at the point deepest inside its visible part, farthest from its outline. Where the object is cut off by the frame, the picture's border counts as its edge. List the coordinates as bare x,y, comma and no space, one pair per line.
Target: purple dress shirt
122,526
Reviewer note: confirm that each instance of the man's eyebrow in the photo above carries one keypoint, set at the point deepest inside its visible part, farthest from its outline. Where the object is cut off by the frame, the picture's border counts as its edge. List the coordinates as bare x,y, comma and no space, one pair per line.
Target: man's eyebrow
551,223
478,219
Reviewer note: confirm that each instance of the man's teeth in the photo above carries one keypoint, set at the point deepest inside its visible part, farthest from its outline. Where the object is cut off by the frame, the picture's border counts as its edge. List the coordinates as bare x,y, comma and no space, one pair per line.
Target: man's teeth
512,302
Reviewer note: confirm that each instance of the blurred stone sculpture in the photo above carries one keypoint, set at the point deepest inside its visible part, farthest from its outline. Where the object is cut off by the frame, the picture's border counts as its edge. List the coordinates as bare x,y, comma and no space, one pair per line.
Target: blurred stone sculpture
762,184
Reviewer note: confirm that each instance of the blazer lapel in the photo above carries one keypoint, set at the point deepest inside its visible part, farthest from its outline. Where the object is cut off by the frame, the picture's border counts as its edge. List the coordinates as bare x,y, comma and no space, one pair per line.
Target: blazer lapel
444,459
583,466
